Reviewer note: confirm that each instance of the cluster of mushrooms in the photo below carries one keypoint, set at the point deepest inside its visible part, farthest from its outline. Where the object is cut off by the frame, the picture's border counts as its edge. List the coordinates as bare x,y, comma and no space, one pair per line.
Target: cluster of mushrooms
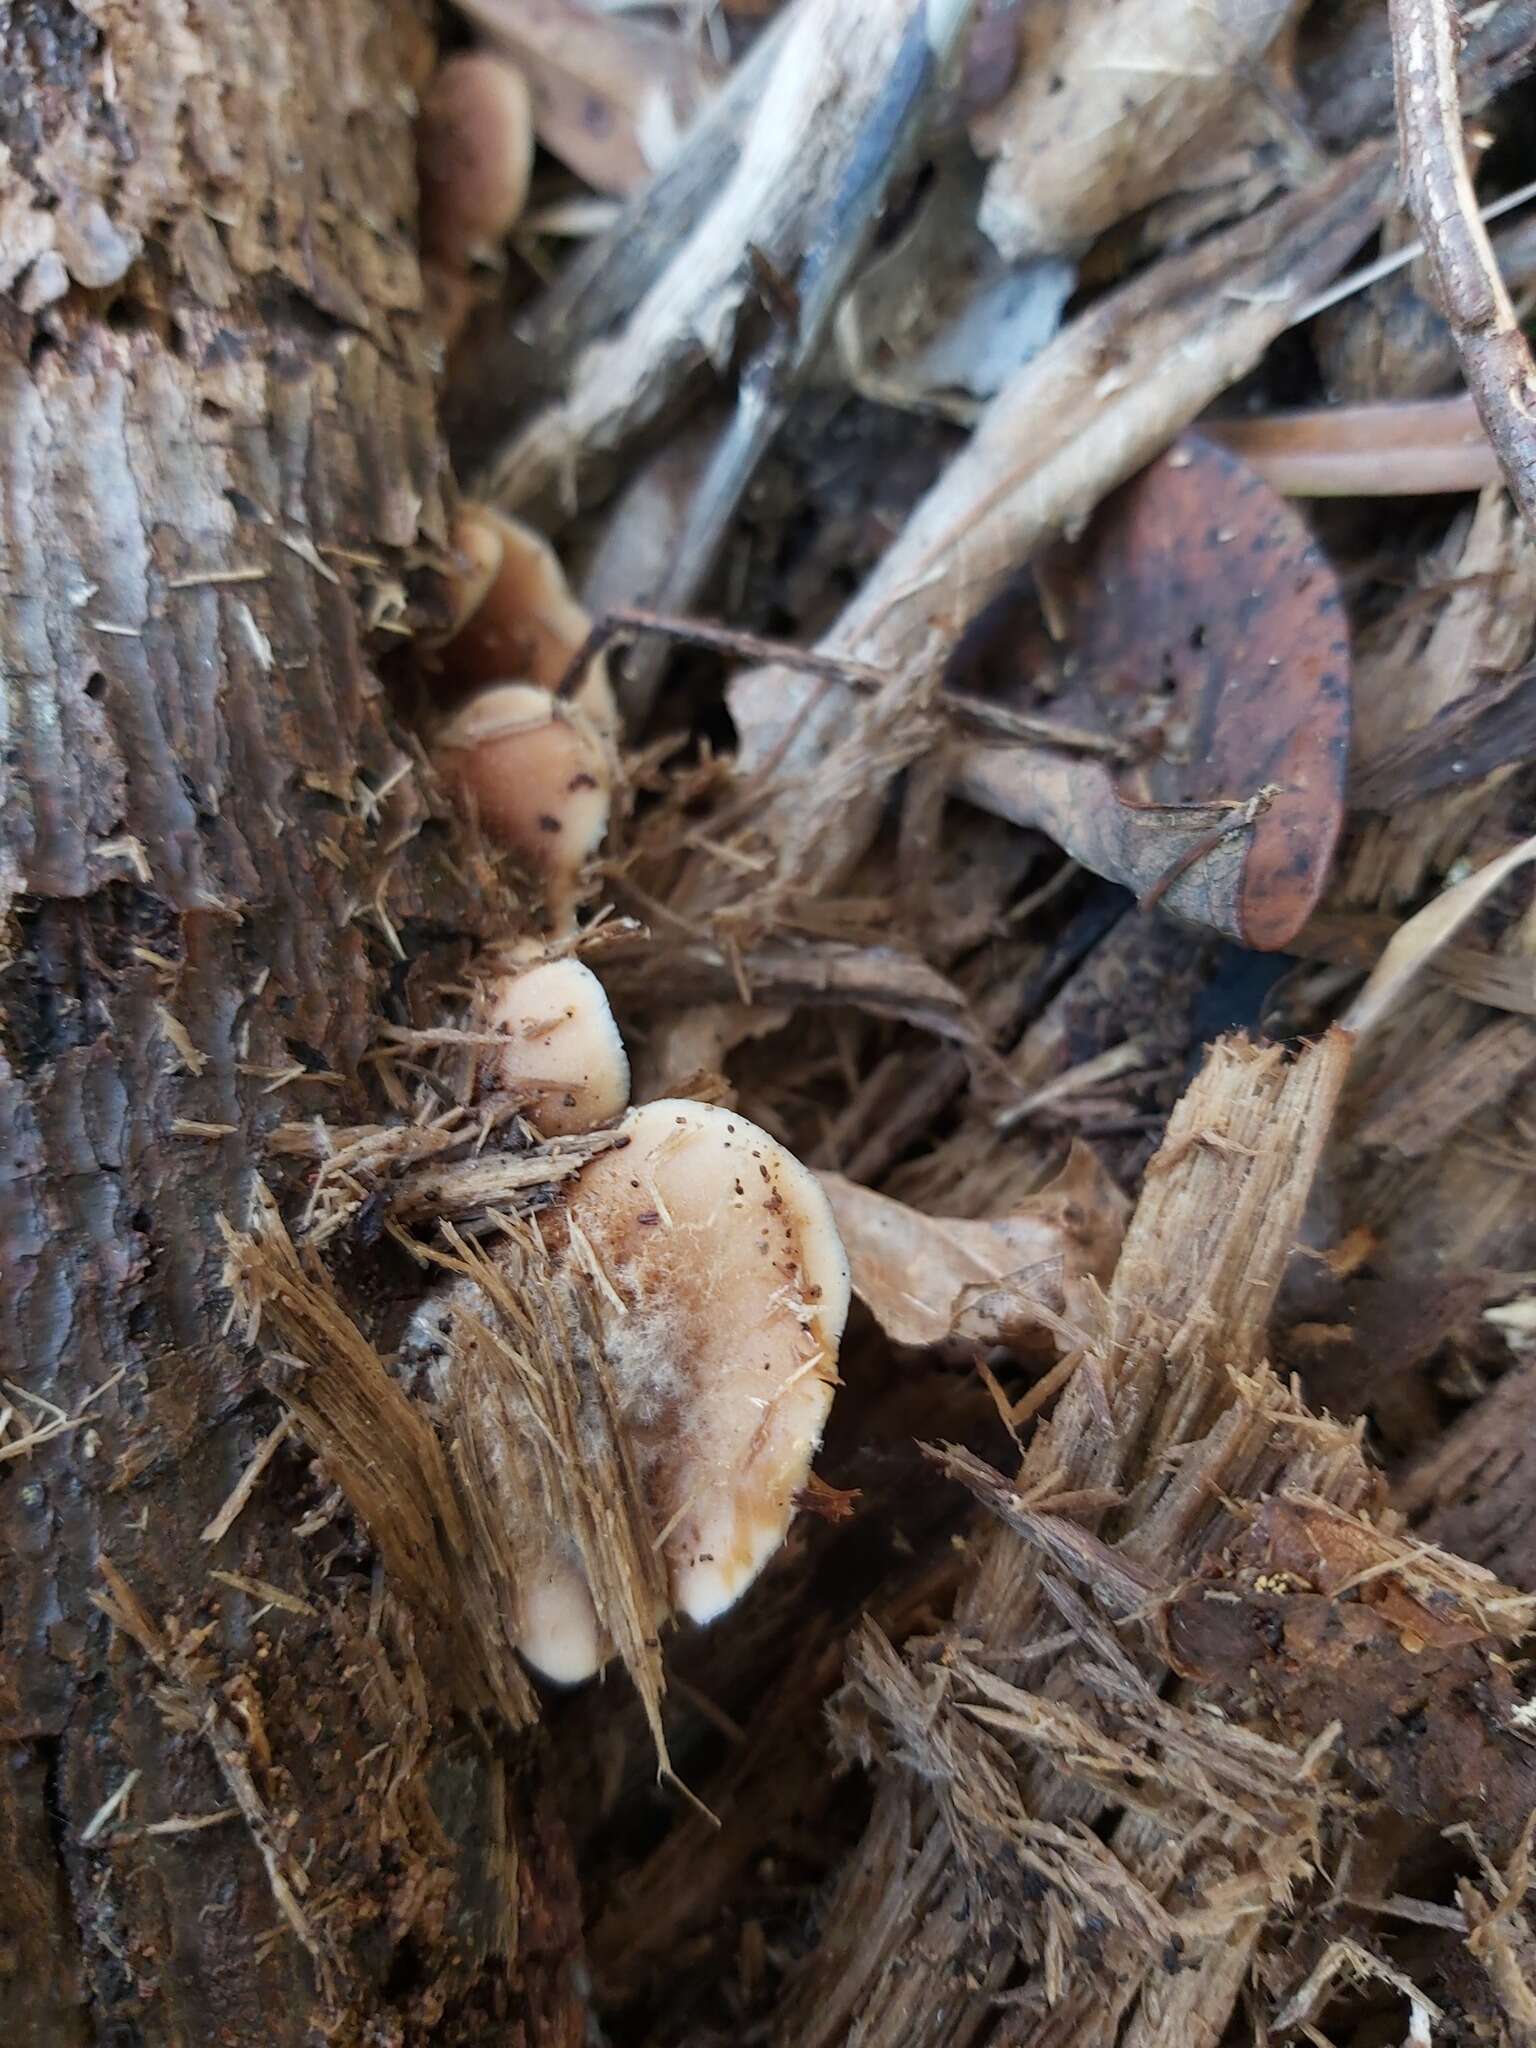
722,1286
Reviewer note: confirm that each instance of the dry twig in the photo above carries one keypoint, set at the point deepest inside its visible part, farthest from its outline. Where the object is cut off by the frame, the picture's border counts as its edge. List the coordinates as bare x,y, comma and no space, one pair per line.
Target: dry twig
1401,448
1495,357
976,715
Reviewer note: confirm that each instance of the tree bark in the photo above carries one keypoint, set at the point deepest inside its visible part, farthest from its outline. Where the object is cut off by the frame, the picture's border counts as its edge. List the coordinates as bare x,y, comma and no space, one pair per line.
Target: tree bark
221,867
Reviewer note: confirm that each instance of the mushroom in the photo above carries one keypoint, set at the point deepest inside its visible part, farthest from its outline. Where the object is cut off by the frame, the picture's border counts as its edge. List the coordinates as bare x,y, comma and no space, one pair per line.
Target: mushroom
563,1052
724,1291
541,778
476,548
697,1377
474,152
540,768
714,1292
558,1630
526,626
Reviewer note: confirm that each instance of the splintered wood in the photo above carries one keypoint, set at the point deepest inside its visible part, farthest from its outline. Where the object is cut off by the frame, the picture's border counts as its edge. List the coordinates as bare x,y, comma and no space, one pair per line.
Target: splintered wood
527,1403
449,1558
1036,1736
792,169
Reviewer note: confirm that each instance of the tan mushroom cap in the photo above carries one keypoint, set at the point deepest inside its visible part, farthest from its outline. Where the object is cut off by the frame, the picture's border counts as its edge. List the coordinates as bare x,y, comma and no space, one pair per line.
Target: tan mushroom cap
541,769
720,1289
474,151
541,778
727,1291
526,625
563,1051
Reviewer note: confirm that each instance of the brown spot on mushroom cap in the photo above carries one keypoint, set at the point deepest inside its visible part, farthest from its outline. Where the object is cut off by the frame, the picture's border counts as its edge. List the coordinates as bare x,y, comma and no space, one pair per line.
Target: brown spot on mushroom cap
725,1353
563,1051
527,624
474,151
523,757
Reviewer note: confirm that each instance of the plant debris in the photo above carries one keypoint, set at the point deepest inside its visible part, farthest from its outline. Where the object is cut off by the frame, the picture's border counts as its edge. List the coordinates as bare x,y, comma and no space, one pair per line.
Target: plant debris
991,1279
931,801
1039,737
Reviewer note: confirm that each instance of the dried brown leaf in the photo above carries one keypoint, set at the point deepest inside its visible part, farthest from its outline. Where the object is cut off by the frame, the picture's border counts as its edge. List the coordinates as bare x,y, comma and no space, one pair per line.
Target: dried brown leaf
997,1279
1206,630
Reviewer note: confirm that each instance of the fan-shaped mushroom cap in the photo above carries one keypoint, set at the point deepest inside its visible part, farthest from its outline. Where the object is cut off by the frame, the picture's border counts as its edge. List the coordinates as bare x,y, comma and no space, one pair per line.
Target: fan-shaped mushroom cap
563,1051
541,778
726,1291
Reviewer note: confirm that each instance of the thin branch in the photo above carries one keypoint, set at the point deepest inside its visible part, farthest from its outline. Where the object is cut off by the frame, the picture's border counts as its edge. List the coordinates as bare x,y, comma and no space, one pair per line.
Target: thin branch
1397,259
975,714
1495,357
1396,448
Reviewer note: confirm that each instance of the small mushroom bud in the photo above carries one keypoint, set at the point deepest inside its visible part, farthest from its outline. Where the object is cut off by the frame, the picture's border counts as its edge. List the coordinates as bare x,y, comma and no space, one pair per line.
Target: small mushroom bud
526,626
474,148
541,779
725,1291
563,1052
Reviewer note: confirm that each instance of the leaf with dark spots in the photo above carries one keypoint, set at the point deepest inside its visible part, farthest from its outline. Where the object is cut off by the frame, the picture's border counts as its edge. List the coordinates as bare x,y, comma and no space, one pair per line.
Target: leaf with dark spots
1198,623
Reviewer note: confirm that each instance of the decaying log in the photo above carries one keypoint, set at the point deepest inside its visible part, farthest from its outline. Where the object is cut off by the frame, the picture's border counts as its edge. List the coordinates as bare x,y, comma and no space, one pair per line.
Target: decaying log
238,1801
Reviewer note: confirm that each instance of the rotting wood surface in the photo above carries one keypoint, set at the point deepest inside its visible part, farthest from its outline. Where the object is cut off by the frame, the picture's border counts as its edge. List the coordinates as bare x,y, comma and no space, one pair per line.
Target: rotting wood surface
225,1815
1133,1512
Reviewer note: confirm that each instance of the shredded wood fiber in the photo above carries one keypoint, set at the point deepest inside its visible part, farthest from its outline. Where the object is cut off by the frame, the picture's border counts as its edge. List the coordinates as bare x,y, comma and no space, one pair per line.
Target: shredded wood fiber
450,1559
1048,1816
